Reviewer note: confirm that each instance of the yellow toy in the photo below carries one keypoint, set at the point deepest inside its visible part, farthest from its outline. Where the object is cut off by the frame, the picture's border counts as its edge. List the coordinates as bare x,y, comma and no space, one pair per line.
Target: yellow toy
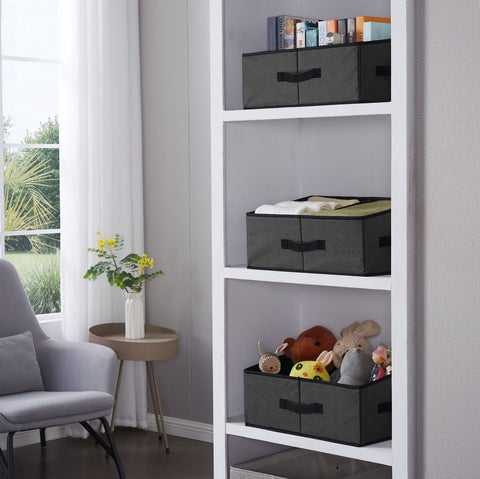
316,370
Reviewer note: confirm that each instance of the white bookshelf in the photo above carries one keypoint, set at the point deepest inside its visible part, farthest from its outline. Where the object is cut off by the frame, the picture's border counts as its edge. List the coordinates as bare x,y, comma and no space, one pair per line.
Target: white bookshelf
375,159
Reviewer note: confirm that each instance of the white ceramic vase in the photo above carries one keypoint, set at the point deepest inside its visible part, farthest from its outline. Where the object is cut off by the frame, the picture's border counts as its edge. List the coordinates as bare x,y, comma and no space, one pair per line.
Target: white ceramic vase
134,316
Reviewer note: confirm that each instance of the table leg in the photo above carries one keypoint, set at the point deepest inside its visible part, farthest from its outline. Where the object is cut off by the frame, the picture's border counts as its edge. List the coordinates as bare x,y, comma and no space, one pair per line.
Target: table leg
156,402
119,380
167,448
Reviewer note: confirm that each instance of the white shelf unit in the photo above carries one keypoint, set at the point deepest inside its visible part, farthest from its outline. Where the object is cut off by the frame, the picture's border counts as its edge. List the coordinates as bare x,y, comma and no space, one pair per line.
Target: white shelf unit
266,155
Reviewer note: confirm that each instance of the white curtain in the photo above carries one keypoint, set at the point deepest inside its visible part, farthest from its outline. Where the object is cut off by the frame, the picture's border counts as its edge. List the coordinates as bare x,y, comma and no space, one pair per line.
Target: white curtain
101,167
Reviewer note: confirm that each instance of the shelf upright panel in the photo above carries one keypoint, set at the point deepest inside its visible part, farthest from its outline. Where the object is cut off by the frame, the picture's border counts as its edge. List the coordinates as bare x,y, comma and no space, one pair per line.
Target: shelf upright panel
217,228
403,198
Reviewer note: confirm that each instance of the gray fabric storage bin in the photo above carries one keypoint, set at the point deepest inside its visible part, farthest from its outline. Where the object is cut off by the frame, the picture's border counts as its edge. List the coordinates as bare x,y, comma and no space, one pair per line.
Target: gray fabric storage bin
301,464
347,73
356,415
337,245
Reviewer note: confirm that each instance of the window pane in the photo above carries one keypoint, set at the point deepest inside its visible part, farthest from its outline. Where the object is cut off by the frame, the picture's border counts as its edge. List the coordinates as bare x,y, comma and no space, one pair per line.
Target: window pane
30,97
37,259
29,28
31,189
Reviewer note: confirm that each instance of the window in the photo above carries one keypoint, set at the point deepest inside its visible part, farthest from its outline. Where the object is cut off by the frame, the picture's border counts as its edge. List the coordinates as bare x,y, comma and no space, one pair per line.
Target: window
30,204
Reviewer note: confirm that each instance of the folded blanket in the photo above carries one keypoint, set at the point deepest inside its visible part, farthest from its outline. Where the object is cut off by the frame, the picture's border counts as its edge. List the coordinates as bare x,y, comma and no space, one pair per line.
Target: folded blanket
340,203
296,207
283,210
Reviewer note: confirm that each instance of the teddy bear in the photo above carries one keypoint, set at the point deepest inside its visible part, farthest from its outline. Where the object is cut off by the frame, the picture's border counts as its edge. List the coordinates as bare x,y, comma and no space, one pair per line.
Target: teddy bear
353,336
309,344
356,367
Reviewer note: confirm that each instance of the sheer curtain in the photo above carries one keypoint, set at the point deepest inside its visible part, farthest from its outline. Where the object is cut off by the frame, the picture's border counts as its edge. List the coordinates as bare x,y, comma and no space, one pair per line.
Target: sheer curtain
101,167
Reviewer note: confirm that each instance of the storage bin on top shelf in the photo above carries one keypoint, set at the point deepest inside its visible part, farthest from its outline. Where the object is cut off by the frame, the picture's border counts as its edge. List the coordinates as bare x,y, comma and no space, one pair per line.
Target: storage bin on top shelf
354,240
355,415
346,73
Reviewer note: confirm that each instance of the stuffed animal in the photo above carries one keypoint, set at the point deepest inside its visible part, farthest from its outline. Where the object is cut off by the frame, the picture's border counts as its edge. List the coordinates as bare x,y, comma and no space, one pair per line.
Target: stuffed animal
316,370
356,367
310,344
354,337
382,357
269,362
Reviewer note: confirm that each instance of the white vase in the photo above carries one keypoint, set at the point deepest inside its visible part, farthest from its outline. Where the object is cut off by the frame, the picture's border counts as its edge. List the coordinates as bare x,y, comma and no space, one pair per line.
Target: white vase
134,316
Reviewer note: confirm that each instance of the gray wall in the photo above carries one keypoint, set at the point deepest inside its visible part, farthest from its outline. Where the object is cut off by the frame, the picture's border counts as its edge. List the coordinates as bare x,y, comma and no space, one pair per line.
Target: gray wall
175,120
448,187
175,103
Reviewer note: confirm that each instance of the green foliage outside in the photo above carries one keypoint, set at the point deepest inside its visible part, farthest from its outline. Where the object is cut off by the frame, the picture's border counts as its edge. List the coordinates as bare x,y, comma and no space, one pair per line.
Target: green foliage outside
32,202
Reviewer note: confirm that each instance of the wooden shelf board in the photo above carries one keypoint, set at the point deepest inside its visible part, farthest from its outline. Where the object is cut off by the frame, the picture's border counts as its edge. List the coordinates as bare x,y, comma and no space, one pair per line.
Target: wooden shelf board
320,111
382,283
380,453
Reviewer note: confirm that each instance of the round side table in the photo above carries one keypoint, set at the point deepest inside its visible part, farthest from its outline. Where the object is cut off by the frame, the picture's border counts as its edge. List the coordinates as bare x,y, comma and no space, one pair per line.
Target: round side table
159,343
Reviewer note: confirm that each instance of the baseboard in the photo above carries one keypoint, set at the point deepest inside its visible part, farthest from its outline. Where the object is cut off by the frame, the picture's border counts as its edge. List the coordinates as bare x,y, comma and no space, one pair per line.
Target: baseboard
176,427
25,438
198,431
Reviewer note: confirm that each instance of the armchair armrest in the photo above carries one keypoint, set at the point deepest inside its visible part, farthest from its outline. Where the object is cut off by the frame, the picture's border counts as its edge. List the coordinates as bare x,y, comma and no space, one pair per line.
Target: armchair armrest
77,366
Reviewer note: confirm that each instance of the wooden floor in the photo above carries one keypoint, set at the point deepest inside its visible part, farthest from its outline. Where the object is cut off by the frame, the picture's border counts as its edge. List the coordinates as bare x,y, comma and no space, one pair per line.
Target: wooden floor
142,453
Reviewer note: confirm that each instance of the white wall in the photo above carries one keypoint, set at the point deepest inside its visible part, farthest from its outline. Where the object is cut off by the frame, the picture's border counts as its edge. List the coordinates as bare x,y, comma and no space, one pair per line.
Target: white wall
175,103
448,186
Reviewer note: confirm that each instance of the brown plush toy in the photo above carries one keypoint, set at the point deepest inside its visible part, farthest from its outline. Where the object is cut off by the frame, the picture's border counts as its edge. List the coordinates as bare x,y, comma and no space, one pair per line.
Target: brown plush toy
310,344
354,337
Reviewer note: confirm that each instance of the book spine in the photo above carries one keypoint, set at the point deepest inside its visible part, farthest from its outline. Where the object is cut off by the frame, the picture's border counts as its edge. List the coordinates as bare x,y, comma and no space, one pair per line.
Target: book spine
271,33
289,33
332,26
376,31
311,34
322,32
280,32
351,30
361,20
342,30
300,34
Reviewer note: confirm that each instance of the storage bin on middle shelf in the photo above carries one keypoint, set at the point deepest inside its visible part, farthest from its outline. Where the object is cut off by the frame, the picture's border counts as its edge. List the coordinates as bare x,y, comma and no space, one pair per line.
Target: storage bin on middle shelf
354,240
355,415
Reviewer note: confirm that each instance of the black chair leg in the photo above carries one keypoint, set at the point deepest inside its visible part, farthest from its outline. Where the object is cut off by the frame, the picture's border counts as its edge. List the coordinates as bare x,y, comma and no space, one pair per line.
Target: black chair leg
10,464
42,437
110,448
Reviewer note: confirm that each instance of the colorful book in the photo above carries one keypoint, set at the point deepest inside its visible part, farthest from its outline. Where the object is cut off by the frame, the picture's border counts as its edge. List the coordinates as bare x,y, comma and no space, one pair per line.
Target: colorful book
361,20
342,30
376,31
322,32
351,30
286,30
300,34
332,26
311,34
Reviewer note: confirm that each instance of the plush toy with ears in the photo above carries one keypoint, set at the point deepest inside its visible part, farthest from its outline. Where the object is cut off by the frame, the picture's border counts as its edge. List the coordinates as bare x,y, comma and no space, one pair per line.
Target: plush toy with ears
269,362
354,337
309,344
316,370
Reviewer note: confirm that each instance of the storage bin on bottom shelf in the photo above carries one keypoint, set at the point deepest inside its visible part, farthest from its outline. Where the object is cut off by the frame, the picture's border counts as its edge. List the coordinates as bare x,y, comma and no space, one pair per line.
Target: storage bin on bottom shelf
355,415
300,464
354,240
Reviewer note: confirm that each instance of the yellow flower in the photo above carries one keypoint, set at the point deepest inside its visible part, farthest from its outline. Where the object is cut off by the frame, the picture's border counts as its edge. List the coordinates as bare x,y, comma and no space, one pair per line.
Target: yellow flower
99,232
111,243
145,262
101,243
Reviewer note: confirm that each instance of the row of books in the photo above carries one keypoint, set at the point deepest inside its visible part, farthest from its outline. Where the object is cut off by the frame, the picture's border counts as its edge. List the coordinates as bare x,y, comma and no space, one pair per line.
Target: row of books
286,32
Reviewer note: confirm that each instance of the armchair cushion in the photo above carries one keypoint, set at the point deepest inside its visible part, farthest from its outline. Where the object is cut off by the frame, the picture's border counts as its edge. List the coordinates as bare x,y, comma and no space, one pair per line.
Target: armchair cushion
19,369
35,409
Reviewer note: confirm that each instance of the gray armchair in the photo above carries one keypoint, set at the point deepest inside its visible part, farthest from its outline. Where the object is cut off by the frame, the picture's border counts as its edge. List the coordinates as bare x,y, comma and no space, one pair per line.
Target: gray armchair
45,382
